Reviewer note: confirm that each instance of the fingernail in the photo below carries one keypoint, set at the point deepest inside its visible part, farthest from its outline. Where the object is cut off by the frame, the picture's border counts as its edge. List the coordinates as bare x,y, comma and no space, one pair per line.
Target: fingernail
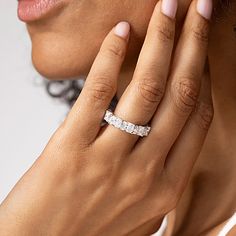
122,29
169,8
205,8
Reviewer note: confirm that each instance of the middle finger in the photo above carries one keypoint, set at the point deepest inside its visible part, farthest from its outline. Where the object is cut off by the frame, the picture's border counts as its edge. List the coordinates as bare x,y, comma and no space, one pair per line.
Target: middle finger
184,82
141,98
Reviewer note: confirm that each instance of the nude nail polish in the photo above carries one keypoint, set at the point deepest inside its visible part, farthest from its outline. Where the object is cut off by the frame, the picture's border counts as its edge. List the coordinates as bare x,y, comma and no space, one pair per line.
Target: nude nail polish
122,29
169,8
205,8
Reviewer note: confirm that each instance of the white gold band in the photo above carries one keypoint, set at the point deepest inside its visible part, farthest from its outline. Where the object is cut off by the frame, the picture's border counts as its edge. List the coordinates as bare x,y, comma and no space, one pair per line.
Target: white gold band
126,126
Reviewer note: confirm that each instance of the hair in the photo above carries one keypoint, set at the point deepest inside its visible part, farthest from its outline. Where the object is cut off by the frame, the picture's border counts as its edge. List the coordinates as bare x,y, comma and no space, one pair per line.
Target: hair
222,7
66,91
69,91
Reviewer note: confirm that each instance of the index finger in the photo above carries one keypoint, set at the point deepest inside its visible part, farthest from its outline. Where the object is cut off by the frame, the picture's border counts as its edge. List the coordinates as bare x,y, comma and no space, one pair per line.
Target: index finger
101,84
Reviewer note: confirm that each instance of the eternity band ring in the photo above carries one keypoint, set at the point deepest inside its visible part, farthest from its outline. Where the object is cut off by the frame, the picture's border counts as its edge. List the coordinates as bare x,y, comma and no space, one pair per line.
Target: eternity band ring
126,126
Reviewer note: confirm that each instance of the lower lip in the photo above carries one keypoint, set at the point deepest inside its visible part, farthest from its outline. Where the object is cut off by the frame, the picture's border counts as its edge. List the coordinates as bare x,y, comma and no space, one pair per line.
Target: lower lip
31,10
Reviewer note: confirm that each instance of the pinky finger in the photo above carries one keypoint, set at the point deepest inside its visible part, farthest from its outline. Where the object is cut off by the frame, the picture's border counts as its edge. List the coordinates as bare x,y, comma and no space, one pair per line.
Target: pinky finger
187,148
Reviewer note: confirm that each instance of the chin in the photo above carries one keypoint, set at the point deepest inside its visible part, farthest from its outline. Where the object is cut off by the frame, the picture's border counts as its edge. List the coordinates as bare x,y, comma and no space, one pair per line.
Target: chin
61,60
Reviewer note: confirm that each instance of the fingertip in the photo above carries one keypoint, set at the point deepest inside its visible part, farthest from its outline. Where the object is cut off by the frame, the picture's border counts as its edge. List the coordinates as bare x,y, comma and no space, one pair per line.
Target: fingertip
205,8
122,29
169,8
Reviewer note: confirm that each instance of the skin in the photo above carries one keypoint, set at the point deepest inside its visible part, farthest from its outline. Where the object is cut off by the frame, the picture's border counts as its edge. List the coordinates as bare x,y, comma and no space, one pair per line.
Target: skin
209,200
75,181
87,20
143,183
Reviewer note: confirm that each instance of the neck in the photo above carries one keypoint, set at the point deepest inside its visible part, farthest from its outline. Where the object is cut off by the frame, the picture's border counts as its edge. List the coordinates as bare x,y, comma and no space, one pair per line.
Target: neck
222,56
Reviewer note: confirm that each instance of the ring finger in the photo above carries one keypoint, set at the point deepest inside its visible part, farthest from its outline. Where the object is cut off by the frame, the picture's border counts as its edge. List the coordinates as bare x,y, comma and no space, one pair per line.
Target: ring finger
141,98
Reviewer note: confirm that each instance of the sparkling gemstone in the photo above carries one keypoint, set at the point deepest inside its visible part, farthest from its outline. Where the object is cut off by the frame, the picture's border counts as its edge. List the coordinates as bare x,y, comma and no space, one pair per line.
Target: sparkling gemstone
108,115
147,130
145,133
113,120
118,123
136,129
130,128
141,130
124,125
110,118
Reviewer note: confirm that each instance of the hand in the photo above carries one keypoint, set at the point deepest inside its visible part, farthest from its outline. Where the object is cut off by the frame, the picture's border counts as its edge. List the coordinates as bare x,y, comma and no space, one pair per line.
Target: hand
102,181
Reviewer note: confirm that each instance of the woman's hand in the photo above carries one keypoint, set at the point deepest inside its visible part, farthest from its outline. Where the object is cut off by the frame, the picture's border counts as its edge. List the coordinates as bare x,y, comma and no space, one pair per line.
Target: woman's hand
103,181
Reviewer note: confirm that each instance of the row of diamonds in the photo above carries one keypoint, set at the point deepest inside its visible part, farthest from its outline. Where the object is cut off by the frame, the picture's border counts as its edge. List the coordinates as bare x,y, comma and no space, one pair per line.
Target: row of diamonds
111,119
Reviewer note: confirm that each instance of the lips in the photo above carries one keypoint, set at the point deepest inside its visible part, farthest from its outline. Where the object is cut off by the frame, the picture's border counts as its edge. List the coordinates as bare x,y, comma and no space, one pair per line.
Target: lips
31,10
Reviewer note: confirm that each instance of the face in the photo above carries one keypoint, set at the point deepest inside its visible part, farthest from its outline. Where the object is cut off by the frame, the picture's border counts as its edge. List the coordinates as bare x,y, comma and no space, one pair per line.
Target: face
66,39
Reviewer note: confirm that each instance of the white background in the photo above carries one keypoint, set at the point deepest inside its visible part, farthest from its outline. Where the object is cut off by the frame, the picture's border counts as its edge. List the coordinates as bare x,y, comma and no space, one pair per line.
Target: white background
28,115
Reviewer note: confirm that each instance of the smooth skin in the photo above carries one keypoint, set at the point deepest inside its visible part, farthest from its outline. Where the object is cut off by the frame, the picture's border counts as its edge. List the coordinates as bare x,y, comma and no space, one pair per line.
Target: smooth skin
102,181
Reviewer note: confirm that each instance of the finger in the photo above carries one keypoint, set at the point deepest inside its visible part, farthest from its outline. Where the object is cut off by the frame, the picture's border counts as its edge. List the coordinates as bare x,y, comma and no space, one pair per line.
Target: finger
101,84
187,148
141,98
183,86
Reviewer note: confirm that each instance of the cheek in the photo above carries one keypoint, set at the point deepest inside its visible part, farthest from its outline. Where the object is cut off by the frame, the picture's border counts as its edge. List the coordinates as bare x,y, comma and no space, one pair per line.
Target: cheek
57,56
66,45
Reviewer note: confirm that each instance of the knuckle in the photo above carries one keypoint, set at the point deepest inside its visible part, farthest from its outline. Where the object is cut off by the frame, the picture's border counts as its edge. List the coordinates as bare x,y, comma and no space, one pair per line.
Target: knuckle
201,32
151,91
115,50
164,31
205,115
102,89
186,94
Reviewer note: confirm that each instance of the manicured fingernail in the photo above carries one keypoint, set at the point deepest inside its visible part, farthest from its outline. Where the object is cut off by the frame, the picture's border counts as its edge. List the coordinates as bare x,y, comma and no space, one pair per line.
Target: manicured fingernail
169,8
205,8
122,29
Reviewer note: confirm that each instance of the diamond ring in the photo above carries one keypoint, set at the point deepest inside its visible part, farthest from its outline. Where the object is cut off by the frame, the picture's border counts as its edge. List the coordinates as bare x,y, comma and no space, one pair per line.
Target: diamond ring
126,126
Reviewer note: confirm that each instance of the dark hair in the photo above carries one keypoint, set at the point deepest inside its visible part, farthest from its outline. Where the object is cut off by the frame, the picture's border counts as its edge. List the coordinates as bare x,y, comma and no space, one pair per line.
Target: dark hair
222,7
68,91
